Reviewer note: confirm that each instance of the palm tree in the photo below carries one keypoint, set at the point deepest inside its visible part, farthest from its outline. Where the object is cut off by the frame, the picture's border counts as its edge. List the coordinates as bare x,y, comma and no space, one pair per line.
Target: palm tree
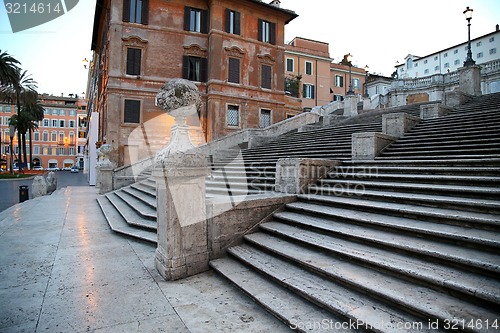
34,111
8,66
21,90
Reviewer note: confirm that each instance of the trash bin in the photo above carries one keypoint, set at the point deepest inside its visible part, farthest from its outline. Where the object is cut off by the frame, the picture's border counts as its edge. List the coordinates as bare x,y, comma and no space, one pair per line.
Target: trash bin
23,193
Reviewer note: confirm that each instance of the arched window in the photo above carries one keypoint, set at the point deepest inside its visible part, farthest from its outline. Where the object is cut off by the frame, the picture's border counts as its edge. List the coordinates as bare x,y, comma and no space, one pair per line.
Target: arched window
409,63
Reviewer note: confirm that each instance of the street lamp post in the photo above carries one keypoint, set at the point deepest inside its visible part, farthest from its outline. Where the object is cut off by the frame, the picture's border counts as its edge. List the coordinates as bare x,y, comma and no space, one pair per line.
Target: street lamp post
366,82
349,59
468,16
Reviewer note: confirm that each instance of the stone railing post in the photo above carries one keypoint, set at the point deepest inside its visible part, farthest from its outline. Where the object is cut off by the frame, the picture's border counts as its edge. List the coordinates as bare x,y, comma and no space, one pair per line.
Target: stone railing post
294,175
368,145
350,106
396,124
180,170
470,80
435,110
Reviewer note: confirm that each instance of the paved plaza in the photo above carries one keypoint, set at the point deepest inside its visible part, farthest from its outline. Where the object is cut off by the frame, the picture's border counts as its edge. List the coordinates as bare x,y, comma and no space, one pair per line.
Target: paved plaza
63,270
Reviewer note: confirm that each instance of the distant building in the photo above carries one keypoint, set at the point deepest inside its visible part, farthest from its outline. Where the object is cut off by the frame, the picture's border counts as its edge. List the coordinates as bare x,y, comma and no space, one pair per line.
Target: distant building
233,51
55,142
484,49
310,61
339,74
321,80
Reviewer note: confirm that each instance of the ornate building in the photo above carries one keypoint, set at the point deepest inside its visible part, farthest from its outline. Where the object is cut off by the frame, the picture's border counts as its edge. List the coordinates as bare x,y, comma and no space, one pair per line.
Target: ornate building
232,50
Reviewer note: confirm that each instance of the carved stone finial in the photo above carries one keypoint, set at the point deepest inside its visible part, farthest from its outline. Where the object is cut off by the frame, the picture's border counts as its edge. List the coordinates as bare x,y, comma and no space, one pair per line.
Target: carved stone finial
180,99
178,93
103,155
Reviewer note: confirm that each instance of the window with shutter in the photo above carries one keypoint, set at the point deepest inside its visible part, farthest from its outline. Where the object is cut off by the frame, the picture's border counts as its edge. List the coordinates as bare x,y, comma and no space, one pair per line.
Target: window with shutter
132,111
232,22
234,70
133,61
136,11
194,68
308,91
309,66
266,76
339,81
195,20
289,65
266,31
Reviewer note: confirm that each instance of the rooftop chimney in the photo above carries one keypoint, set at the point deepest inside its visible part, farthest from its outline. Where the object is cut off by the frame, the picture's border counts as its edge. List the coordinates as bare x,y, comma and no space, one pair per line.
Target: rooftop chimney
497,27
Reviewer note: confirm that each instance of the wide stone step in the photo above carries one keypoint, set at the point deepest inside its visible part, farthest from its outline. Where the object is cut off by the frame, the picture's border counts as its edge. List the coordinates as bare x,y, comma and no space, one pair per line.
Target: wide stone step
336,251
445,143
146,187
373,170
494,150
129,214
417,178
481,161
437,133
139,206
293,225
239,185
344,302
430,199
472,132
240,179
220,191
296,312
118,224
405,294
432,214
426,157
455,120
453,234
146,198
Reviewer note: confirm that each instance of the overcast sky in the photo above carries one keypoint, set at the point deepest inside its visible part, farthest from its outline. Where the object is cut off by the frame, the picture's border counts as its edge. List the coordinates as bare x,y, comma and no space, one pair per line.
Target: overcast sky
377,33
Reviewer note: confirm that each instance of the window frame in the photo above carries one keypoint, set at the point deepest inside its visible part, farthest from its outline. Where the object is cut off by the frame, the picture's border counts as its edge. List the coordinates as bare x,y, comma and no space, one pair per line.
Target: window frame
339,81
261,113
199,27
128,12
308,67
233,22
126,116
193,75
266,31
134,61
356,83
233,107
292,62
233,70
308,91
266,76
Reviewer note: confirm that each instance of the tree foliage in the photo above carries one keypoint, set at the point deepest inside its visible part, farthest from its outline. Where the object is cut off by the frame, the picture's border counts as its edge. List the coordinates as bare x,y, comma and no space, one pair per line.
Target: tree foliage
17,87
292,84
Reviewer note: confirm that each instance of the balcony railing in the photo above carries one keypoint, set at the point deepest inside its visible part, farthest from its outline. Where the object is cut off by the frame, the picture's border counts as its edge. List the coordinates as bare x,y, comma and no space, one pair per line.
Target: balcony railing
441,79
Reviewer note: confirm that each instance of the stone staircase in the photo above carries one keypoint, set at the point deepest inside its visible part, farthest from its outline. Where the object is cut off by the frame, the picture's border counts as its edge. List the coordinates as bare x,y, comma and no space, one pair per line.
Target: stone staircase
132,210
392,244
469,131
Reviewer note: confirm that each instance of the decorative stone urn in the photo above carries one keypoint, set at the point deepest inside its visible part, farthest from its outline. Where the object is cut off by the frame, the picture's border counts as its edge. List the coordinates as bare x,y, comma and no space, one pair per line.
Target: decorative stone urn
103,156
105,169
180,99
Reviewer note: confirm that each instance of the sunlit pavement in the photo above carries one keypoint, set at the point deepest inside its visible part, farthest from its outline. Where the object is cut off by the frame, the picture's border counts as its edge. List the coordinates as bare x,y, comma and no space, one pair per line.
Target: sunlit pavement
63,270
